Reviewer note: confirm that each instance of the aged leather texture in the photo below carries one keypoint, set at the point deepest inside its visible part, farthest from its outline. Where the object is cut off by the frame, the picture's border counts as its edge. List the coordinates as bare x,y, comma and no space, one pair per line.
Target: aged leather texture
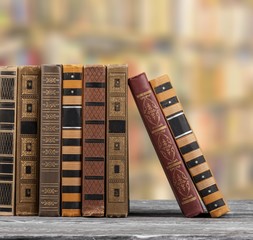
28,159
94,117
186,141
8,111
117,177
50,141
72,140
165,146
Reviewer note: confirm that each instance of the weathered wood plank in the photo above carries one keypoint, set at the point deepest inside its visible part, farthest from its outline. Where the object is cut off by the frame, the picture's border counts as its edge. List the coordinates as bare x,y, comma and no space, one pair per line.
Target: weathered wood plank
147,220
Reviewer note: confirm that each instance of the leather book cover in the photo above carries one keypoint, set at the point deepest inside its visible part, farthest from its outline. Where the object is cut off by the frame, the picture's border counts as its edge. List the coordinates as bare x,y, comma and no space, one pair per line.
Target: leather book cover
165,146
50,141
8,97
94,116
27,170
186,140
117,192
72,81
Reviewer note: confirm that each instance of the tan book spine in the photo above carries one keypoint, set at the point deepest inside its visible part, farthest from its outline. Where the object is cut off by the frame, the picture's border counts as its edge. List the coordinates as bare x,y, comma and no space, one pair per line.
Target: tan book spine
50,141
186,141
27,175
117,194
8,111
72,81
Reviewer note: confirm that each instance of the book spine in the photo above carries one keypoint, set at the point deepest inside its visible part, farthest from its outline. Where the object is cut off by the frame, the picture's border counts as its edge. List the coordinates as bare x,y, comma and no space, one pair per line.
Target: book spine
27,174
165,146
8,97
50,141
72,140
94,141
186,141
117,193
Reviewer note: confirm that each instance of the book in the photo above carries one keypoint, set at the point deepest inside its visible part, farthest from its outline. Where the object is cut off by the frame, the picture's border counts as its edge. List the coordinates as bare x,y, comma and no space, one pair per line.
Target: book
50,141
27,163
117,192
94,117
8,111
188,146
72,140
165,146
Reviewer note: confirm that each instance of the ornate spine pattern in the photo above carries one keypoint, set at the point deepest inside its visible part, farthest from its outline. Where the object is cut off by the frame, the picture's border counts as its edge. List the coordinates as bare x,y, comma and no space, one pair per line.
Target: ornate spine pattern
187,143
8,96
94,141
117,200
28,140
72,140
50,144
165,146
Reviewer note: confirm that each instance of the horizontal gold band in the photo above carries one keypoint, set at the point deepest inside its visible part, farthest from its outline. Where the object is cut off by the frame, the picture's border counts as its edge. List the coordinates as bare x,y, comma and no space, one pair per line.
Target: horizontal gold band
199,169
205,183
212,197
219,211
72,84
72,100
71,197
71,212
159,80
193,154
172,109
166,95
71,181
189,138
68,68
71,134
71,166
71,150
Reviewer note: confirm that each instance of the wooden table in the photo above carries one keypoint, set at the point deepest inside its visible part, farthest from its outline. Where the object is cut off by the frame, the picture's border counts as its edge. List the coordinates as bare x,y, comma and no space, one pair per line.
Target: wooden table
147,220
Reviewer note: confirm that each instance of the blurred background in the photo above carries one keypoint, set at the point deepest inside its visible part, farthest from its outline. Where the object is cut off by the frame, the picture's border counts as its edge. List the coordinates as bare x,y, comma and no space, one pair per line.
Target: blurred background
205,47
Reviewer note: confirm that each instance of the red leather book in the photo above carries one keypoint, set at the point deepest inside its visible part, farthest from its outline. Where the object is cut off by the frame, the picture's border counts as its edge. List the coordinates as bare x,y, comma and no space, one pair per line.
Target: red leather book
165,146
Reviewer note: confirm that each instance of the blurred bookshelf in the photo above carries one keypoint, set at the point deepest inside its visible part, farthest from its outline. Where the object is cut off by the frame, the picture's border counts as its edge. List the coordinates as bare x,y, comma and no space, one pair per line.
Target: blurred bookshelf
204,46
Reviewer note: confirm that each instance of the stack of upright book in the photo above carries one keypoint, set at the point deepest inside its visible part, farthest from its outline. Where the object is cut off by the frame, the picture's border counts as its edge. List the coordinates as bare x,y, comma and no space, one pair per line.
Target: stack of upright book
64,142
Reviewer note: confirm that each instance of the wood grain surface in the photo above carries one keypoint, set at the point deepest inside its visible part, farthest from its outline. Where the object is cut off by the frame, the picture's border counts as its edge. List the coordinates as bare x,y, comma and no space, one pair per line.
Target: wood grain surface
147,220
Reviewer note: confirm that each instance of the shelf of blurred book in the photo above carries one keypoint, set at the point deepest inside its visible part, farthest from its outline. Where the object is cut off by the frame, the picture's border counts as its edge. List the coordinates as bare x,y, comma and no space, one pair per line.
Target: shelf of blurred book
147,220
204,46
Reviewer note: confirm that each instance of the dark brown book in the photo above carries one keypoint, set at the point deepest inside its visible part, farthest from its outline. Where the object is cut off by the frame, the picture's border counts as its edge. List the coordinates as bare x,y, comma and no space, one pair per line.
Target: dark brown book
50,141
94,116
27,174
165,146
8,110
186,141
72,81
117,194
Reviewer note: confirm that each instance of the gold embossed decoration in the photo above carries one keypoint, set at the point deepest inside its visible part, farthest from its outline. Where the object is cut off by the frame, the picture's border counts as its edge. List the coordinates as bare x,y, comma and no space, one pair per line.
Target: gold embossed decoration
28,170
181,182
151,110
29,84
28,193
29,147
117,193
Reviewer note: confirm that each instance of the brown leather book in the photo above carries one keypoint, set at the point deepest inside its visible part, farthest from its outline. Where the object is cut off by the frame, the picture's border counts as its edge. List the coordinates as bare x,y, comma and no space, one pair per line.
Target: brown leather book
8,110
94,116
165,146
117,193
50,141
72,81
186,141
27,174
